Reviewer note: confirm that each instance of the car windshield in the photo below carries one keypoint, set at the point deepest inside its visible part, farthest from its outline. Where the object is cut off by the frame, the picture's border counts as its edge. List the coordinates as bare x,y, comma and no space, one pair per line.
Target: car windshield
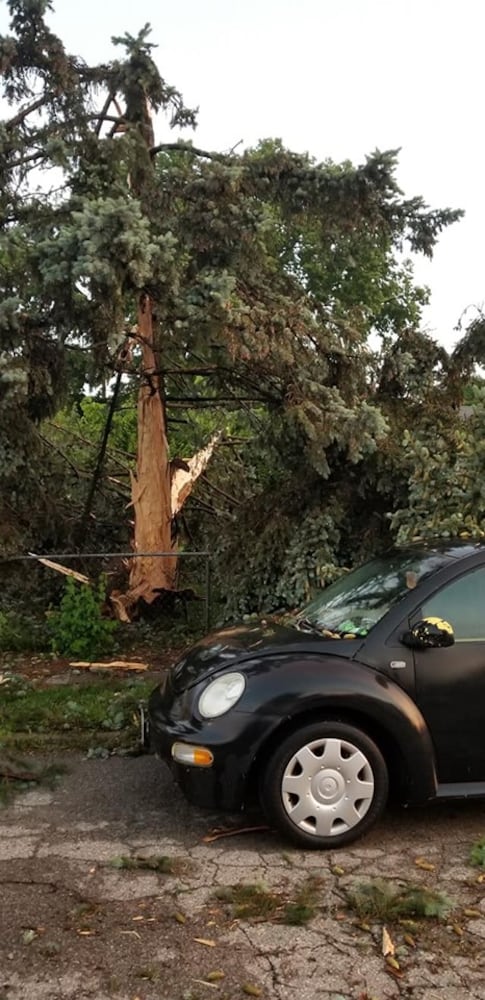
359,599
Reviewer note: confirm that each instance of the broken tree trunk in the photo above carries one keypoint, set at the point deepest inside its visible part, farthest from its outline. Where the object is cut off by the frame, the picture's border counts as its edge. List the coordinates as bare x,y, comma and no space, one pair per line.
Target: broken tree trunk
155,497
151,486
186,473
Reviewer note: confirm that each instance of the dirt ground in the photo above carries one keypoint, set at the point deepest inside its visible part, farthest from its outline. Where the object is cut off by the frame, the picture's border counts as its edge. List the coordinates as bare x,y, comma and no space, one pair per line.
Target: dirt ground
45,670
74,925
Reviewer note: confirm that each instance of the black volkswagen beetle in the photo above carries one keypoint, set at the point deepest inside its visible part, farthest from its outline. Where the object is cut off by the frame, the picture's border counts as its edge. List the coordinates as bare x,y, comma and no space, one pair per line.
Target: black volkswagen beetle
378,685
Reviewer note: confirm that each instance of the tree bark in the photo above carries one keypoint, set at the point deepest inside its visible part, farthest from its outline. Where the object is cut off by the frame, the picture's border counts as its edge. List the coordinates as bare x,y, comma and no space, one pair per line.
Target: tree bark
151,485
155,499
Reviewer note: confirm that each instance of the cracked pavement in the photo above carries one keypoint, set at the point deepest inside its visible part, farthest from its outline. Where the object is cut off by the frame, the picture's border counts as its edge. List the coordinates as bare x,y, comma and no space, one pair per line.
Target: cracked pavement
74,926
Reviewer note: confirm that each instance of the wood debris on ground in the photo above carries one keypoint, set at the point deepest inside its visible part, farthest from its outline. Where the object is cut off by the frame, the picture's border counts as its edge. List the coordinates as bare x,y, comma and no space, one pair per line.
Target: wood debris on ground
135,665
426,866
388,947
219,834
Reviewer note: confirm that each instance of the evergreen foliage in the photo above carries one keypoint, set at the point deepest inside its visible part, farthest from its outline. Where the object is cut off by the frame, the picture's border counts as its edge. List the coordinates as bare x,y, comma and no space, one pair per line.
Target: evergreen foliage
287,317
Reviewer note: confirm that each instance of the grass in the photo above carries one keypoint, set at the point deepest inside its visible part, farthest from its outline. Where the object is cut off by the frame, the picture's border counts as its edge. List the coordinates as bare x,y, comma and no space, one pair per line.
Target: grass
388,901
161,864
304,906
71,716
250,902
477,853
256,902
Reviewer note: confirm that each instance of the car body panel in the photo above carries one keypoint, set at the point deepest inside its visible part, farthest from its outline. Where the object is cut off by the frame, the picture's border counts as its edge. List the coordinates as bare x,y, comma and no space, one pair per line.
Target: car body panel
451,694
424,704
450,690
447,685
223,649
282,688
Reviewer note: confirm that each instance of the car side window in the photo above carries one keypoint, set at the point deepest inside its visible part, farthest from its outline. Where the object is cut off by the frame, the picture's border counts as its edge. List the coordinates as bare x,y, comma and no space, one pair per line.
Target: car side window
462,604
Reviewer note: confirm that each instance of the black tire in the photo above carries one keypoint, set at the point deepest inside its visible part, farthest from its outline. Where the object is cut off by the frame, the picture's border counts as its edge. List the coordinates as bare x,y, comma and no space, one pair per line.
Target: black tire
325,806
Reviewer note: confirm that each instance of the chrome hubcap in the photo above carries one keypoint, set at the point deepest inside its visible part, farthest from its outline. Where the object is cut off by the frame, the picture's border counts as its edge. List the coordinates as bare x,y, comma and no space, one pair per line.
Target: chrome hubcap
327,787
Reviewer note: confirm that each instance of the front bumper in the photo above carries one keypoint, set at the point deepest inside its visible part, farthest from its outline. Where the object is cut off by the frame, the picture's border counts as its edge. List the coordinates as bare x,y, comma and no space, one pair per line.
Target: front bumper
233,739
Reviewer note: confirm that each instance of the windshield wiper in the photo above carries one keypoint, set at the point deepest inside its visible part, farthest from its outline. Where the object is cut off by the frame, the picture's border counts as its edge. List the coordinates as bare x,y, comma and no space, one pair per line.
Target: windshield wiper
306,625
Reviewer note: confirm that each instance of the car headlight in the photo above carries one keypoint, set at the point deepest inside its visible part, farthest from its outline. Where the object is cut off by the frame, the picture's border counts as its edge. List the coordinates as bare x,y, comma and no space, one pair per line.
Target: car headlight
221,695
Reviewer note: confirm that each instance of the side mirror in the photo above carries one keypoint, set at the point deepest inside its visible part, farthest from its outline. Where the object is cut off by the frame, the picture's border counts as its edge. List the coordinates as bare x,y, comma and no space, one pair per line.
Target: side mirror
429,633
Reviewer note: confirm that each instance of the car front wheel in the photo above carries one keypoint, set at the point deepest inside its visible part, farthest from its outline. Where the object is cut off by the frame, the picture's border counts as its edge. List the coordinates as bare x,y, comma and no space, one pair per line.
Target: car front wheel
325,785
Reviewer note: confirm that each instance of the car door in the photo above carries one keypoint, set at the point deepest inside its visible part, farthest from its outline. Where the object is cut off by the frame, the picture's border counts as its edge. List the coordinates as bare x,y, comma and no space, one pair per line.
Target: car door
450,683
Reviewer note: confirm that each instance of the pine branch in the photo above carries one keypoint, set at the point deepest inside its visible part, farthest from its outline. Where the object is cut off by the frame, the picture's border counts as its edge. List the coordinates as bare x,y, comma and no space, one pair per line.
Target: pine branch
207,370
101,455
197,504
117,487
104,112
217,489
211,400
183,147
25,112
118,120
112,451
77,472
26,159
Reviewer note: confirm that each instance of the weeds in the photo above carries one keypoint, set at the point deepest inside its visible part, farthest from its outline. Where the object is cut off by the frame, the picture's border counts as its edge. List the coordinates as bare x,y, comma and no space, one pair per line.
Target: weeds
255,902
389,901
477,853
71,716
303,907
19,634
250,902
160,864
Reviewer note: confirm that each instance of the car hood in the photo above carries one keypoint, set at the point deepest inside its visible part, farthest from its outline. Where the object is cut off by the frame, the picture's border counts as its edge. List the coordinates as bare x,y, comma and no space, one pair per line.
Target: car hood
237,644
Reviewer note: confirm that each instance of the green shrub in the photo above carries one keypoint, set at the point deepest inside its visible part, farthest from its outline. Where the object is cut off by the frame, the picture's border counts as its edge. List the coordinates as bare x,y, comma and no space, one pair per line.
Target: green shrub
9,633
78,627
19,634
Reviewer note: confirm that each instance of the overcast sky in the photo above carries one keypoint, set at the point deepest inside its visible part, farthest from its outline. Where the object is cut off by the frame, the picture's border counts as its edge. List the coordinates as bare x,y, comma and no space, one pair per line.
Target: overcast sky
337,78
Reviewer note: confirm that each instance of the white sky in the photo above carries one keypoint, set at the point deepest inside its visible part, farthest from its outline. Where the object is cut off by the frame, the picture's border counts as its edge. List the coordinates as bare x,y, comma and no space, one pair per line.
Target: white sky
337,78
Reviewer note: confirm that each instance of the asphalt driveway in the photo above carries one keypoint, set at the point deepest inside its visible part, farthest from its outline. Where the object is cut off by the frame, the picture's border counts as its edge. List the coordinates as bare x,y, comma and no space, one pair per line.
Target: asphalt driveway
78,921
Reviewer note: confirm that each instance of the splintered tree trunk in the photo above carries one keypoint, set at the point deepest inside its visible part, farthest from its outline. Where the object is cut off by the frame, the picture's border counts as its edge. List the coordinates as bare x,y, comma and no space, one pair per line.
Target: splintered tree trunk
155,497
151,486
